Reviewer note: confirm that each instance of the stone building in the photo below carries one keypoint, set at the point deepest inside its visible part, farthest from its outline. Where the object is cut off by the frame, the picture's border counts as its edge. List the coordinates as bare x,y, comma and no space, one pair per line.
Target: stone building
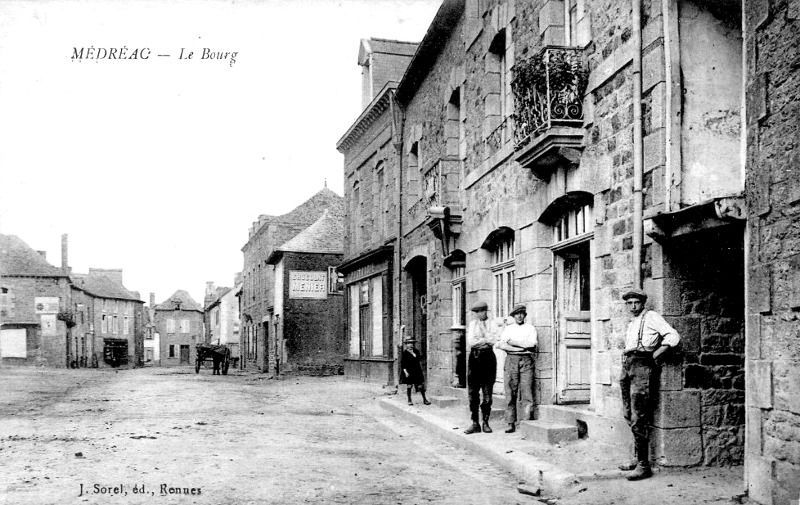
257,303
51,316
371,246
35,298
179,323
109,321
528,175
308,333
772,451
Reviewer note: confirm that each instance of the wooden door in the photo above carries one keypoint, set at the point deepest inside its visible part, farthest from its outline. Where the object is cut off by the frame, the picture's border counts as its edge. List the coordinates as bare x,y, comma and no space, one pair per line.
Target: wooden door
573,324
184,354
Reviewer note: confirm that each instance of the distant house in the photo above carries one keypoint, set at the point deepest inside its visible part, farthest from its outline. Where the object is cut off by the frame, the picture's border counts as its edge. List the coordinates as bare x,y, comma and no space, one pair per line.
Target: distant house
109,329
309,333
152,346
35,327
222,317
179,322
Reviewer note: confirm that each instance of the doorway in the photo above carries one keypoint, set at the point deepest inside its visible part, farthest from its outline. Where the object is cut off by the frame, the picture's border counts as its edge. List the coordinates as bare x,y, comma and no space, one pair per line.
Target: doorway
418,272
572,303
184,354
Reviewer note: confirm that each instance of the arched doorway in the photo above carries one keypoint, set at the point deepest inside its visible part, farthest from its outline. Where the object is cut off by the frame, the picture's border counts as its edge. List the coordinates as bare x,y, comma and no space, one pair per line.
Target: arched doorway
417,327
571,220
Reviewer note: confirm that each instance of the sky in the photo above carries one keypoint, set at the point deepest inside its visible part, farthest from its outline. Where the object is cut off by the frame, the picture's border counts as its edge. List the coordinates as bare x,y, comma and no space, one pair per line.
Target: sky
159,166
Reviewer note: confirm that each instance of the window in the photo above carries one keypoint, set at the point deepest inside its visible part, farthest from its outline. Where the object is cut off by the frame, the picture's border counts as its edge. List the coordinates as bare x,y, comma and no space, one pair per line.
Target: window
573,223
6,304
366,317
356,214
571,22
503,270
185,328
170,325
104,323
115,325
413,177
459,297
215,316
380,201
171,351
127,325
498,101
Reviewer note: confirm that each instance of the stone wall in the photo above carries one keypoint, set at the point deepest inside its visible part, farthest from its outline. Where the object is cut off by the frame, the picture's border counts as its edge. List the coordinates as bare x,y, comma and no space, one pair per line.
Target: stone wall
773,193
313,329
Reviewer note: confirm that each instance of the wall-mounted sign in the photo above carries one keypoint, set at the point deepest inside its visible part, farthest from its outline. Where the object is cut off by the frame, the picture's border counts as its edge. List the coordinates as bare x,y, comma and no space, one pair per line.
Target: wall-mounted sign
49,328
304,284
46,304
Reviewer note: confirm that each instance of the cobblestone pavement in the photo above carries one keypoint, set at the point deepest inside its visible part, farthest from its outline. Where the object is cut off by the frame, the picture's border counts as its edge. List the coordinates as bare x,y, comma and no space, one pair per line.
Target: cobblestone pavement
100,436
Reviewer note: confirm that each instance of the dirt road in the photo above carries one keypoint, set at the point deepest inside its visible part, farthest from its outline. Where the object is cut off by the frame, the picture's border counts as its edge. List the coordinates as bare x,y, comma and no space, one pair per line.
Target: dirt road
169,436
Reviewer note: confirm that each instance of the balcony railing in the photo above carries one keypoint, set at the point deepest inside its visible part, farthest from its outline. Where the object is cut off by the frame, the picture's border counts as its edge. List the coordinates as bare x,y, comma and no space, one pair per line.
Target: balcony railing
440,183
548,91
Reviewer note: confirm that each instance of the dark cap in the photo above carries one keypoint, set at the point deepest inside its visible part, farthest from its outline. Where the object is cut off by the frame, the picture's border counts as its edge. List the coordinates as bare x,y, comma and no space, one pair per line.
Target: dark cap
479,307
517,309
409,340
635,293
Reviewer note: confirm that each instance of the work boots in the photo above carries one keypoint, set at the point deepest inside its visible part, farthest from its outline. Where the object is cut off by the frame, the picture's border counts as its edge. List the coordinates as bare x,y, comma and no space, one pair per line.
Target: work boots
475,428
486,428
642,471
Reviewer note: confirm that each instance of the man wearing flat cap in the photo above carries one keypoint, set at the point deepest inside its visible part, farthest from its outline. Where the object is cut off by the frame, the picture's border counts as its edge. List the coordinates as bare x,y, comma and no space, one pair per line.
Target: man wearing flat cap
519,342
481,367
647,338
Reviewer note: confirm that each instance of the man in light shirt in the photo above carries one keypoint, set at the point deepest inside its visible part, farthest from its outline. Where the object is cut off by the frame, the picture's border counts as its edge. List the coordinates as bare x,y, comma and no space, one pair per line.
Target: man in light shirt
647,338
481,367
519,342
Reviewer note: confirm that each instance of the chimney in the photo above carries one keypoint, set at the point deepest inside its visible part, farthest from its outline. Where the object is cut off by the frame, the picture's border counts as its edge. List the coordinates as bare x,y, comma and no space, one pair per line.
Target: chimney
209,288
152,299
64,262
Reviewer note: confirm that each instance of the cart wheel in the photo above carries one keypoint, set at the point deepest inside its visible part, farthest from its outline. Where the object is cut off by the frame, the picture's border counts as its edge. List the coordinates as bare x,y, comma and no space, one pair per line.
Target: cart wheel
197,366
226,363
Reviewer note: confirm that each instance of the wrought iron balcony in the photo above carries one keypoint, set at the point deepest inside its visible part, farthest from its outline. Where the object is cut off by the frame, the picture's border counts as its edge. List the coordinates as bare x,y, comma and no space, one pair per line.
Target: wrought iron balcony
440,183
548,93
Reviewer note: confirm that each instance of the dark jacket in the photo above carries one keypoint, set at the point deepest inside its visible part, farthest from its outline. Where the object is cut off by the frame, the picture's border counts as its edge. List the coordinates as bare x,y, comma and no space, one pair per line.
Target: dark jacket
410,361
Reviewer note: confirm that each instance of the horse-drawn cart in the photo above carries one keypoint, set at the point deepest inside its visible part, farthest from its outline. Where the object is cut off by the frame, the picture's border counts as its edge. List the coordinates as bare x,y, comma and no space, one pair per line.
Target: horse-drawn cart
220,355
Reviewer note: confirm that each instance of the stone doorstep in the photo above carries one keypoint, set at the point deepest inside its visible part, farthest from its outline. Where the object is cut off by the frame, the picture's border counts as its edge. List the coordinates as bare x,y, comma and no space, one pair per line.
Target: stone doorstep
498,447
548,432
497,414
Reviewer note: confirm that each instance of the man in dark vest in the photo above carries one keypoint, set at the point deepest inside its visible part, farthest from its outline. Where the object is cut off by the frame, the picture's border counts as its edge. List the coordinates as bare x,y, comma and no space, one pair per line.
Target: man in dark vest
481,367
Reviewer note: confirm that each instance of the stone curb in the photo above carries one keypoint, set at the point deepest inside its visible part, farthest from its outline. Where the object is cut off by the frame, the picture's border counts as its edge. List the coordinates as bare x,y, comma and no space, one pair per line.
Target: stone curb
552,479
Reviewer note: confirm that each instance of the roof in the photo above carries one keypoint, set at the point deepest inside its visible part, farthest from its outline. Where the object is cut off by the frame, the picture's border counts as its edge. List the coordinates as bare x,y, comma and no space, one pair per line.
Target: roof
180,300
322,237
324,198
432,44
20,260
304,214
217,296
102,287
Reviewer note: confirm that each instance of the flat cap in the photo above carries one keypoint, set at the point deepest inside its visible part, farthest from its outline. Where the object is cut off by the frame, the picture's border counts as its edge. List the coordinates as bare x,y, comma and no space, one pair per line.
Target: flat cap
479,307
517,309
635,293
409,340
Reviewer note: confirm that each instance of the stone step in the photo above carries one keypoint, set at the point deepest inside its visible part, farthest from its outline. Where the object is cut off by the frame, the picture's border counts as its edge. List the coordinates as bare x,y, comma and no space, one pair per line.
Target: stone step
445,401
548,432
